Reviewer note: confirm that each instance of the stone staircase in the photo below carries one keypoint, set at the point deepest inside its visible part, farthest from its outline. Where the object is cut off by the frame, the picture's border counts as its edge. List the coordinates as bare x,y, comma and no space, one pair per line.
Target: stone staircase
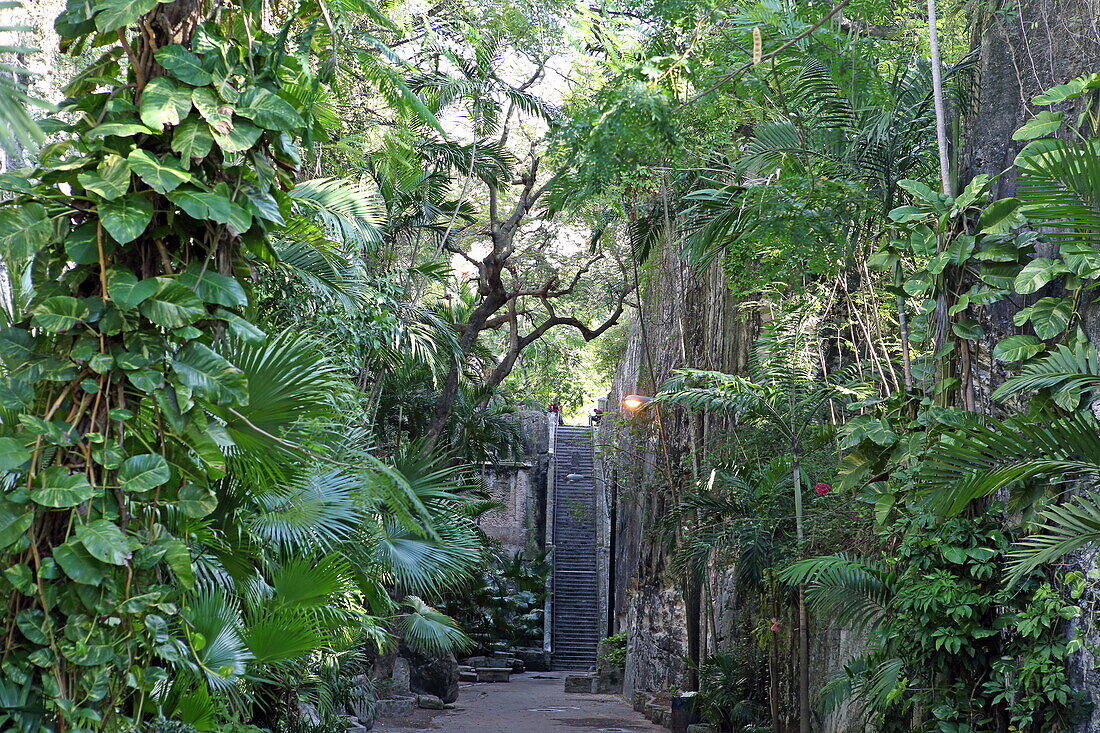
574,623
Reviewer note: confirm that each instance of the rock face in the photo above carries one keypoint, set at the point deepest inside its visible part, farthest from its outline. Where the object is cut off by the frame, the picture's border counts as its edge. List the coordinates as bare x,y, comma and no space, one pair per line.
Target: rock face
520,487
432,675
688,319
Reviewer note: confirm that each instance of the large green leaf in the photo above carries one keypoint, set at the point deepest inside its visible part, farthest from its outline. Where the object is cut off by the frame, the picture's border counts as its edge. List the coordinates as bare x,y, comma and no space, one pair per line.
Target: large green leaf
218,114
110,180
164,102
1018,348
242,137
79,564
24,230
1036,274
183,65
214,287
15,520
59,313
210,375
113,14
105,541
143,472
1044,124
15,394
123,287
173,305
1050,316
127,217
192,138
268,110
212,206
56,487
161,175
13,454
197,501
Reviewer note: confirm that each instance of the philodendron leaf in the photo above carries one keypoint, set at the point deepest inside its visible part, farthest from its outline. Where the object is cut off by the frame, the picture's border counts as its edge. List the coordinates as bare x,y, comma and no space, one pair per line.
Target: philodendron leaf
77,562
183,65
13,454
1081,259
216,113
114,14
1037,273
59,313
143,472
164,102
104,541
161,175
1018,348
173,305
242,137
268,110
210,375
1051,316
125,290
1044,124
197,501
968,328
214,287
15,520
56,487
127,217
110,180
192,138
212,206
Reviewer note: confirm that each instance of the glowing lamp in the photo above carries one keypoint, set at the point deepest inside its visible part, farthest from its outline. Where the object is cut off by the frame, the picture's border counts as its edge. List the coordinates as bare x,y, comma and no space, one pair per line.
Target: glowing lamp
635,401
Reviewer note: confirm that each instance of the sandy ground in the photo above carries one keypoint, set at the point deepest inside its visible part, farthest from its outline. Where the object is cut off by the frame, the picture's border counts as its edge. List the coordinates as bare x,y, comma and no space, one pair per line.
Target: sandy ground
530,703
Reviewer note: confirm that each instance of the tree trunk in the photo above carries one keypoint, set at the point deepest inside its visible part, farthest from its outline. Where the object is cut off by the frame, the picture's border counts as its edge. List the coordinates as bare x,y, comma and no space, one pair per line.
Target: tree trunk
804,713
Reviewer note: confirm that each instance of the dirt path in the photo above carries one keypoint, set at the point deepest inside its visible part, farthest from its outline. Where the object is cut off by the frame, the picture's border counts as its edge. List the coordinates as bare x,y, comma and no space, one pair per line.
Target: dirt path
530,703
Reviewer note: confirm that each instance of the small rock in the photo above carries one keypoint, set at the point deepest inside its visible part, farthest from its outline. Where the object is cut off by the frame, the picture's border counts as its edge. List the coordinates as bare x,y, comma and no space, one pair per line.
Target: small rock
448,706
700,728
429,702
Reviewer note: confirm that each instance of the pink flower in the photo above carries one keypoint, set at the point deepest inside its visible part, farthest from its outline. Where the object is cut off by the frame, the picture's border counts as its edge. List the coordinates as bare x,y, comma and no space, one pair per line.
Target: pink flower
822,489
775,624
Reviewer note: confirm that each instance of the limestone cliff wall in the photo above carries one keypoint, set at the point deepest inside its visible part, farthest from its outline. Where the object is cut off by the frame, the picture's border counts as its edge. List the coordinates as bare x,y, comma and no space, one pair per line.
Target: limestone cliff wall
687,319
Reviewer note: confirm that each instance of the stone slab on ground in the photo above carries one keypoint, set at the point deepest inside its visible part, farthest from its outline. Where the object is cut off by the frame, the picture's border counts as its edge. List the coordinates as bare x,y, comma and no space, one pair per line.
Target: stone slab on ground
493,674
395,708
532,703
579,683
701,728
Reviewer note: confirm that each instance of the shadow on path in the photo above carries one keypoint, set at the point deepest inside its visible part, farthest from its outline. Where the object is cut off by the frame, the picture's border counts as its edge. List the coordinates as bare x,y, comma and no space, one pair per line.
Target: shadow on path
531,703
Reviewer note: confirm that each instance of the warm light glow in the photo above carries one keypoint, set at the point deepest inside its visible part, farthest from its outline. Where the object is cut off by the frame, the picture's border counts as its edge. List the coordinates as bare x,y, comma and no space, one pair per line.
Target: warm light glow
634,401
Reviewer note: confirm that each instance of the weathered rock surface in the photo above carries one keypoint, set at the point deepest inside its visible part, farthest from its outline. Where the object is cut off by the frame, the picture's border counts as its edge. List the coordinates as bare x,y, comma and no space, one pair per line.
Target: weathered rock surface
429,702
432,675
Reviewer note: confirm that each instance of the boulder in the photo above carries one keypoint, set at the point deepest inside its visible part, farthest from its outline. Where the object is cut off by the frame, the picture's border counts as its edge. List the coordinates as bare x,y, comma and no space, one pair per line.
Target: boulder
481,662
432,674
608,682
429,702
399,680
307,713
534,659
362,706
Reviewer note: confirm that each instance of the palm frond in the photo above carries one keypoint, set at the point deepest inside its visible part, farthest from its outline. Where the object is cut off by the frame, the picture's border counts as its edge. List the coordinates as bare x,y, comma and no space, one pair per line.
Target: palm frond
844,590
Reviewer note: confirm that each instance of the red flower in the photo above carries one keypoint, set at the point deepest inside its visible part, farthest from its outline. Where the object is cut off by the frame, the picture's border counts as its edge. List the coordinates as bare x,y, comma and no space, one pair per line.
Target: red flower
822,489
